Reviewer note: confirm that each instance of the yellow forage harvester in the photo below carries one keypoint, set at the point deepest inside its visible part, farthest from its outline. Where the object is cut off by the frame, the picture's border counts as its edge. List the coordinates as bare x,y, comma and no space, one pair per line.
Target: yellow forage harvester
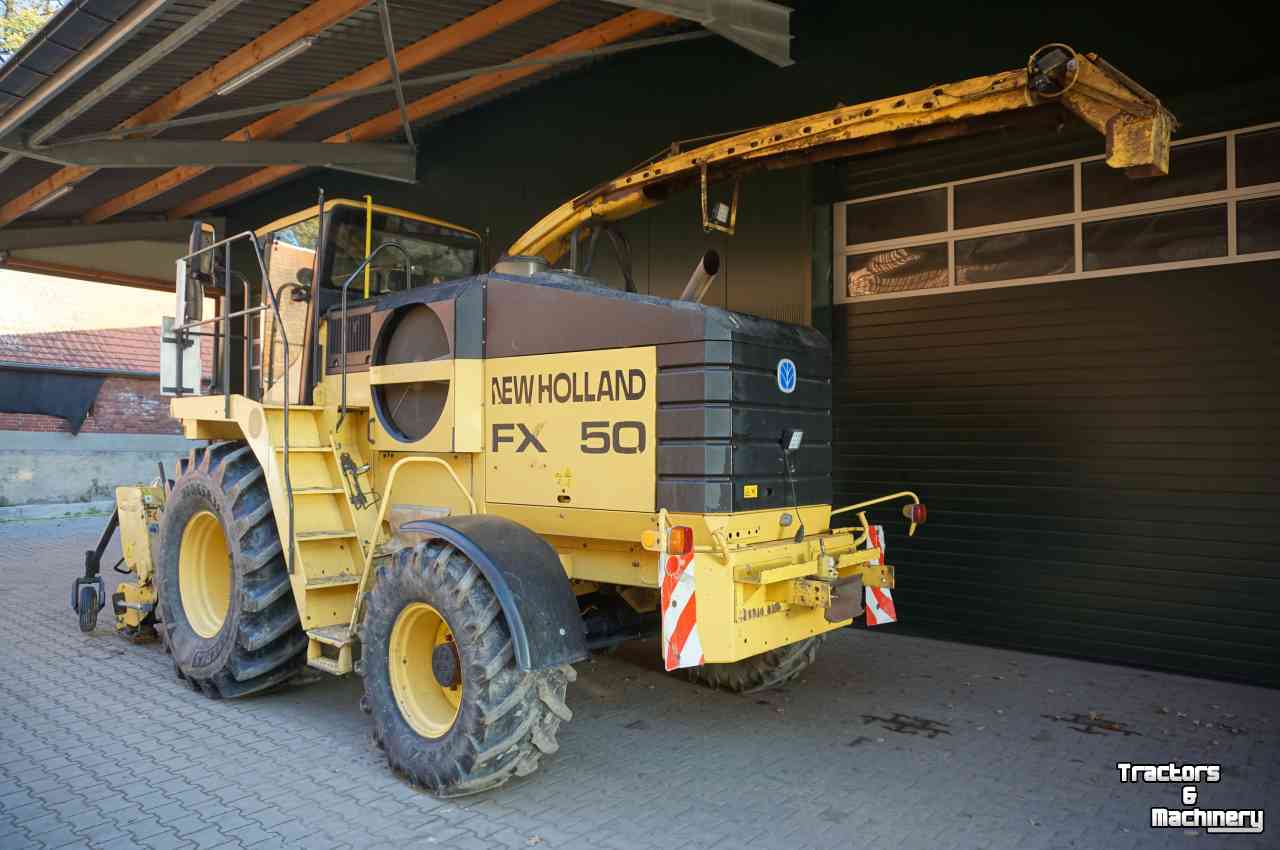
457,482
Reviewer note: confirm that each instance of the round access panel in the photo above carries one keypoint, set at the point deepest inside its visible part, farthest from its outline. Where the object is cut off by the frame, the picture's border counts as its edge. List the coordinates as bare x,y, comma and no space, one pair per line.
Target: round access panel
410,410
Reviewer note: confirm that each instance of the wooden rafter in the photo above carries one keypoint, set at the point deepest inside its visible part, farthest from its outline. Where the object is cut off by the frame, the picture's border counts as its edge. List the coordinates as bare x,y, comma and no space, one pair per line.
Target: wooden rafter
454,37
22,264
318,16
608,32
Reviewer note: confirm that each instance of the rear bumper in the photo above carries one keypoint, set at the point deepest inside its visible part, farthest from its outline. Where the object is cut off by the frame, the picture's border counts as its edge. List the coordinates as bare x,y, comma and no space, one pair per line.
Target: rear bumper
756,598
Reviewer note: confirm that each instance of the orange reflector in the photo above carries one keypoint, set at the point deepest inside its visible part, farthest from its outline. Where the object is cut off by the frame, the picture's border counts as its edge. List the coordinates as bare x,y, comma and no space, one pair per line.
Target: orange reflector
680,541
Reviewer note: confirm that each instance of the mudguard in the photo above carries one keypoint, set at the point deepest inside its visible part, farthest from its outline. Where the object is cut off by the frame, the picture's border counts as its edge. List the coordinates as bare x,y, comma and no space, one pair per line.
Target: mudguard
527,577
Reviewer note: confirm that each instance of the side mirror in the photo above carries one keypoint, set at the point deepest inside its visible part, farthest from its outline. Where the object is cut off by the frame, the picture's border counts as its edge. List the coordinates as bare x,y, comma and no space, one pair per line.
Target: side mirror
195,272
305,276
202,236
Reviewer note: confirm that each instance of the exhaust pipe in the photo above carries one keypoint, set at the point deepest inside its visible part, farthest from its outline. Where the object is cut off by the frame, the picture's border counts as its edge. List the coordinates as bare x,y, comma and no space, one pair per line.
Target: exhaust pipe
704,274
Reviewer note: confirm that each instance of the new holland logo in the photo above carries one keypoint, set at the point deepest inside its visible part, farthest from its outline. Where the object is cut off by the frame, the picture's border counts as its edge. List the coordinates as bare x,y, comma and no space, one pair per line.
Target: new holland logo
786,375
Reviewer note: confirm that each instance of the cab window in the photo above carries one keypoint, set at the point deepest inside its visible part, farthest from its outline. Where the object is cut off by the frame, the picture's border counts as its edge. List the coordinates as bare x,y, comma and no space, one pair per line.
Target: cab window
437,254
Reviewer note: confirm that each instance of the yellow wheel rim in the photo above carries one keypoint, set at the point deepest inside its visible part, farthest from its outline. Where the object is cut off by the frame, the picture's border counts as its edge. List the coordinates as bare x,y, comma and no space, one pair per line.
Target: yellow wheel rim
426,704
204,574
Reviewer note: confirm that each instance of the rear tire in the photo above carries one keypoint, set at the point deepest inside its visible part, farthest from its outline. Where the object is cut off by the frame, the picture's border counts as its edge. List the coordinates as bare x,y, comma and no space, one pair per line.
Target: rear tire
471,720
226,604
770,669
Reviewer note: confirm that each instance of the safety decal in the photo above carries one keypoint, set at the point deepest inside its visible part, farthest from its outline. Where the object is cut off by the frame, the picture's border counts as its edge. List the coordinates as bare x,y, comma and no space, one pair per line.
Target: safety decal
681,646
880,609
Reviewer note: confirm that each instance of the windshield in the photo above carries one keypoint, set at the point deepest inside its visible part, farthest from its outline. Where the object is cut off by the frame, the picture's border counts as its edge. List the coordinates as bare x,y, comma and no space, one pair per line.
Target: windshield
436,253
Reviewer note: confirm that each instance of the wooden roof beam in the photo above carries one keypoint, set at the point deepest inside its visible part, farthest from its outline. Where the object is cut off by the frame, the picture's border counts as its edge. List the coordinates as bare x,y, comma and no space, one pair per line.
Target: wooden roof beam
453,37
320,15
610,31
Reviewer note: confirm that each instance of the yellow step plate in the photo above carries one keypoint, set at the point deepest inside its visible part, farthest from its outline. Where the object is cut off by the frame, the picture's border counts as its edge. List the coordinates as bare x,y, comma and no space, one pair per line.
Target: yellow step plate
340,580
336,534
338,635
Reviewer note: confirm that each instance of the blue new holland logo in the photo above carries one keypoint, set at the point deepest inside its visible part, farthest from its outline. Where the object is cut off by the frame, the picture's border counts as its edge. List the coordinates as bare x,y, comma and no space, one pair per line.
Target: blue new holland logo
786,375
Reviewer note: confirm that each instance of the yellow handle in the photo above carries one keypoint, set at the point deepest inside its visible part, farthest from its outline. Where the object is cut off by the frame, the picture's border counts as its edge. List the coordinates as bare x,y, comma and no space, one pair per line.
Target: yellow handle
368,238
905,494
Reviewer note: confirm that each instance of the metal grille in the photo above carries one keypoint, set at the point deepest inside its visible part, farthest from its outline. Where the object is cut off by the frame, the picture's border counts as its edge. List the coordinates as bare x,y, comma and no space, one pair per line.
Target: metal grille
357,333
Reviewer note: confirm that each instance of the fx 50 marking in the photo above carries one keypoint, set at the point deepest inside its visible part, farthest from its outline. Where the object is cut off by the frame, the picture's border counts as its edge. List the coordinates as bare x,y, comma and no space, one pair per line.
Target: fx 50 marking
598,437
529,439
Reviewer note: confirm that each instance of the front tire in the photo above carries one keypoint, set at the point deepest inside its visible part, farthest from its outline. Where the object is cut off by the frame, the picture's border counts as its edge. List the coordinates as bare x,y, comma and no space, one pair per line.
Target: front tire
771,669
450,707
225,601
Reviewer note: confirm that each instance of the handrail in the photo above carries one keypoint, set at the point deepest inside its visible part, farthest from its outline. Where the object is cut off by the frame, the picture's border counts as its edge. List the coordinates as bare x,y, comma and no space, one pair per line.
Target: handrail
408,266
225,245
382,515
891,497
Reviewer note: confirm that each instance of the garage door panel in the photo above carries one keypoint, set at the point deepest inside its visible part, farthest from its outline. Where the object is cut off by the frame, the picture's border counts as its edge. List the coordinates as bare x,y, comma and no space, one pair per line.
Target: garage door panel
883,355
1134,578
1188,657
1100,459
1184,506
1015,447
1077,610
1106,532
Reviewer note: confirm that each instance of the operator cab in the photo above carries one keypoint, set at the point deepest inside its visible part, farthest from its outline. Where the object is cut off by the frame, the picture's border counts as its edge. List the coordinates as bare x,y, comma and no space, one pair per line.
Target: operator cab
408,250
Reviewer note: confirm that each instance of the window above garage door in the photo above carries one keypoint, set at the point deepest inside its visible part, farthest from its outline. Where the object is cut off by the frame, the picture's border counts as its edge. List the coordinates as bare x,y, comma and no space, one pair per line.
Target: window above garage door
1069,220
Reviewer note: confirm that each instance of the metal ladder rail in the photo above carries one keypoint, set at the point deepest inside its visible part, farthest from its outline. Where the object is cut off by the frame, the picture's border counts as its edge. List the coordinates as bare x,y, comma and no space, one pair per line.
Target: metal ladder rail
342,313
185,329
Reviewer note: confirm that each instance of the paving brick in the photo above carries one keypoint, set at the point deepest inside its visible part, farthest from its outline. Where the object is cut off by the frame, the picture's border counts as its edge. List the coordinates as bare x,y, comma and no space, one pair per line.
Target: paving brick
832,769
166,841
208,837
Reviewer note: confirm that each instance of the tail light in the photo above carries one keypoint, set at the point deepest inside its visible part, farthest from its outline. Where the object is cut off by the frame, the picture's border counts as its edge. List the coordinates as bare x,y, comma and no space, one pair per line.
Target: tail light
680,540
915,513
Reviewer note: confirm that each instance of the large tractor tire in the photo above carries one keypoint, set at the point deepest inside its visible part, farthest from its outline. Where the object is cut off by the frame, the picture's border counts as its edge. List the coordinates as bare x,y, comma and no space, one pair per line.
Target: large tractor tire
450,707
760,672
228,614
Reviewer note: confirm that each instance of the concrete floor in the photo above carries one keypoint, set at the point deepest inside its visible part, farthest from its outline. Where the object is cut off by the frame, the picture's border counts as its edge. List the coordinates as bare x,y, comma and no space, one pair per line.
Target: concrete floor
888,742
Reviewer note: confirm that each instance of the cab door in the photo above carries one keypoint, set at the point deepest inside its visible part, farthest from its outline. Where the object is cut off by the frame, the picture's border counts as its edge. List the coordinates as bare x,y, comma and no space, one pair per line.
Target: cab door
291,270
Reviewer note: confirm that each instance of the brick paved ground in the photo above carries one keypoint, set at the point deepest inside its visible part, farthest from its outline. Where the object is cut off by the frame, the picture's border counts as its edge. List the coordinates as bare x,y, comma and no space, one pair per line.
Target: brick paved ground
101,747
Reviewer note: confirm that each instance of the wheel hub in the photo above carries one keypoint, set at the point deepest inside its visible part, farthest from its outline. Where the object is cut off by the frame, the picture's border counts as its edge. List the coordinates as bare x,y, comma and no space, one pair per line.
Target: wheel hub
204,574
426,670
446,666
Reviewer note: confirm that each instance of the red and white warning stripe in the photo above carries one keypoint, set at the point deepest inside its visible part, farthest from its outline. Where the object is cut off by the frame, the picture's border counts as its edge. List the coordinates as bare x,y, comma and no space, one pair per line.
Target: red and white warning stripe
880,608
681,646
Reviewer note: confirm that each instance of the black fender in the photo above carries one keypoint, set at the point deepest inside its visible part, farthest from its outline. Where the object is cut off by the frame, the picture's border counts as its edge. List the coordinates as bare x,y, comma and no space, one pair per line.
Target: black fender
527,577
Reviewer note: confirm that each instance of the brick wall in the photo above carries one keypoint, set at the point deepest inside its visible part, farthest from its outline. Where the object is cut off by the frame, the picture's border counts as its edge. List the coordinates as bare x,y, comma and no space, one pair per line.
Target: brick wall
123,406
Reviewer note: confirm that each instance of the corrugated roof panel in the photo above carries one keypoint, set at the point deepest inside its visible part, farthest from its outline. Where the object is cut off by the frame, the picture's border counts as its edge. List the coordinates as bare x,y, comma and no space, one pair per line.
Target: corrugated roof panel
208,181
230,33
341,50
539,30
23,176
105,183
344,48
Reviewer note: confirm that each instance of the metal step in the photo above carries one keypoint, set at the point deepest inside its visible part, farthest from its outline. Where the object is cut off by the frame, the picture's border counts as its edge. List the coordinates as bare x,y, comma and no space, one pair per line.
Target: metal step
318,491
292,449
329,649
332,666
338,635
340,580
337,534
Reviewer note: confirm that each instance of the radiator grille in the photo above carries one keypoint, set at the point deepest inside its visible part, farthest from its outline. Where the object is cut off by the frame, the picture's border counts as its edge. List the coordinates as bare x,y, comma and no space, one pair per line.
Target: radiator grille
357,333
